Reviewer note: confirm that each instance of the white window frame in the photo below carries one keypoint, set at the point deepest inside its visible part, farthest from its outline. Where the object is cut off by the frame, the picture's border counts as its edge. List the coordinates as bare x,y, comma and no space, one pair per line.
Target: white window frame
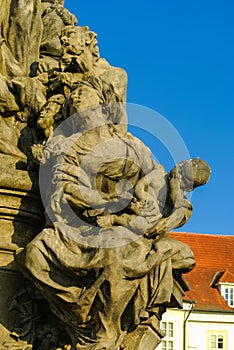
227,292
168,341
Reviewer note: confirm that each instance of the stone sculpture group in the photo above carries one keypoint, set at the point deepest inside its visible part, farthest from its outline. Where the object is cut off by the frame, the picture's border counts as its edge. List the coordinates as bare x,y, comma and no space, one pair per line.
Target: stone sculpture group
99,250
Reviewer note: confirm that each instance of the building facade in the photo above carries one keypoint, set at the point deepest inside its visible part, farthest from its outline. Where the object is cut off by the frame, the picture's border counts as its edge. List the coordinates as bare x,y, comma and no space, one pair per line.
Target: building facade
206,321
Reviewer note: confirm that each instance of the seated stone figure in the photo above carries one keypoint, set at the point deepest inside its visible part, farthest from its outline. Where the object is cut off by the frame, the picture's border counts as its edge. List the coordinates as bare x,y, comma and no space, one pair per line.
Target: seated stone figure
95,129
105,280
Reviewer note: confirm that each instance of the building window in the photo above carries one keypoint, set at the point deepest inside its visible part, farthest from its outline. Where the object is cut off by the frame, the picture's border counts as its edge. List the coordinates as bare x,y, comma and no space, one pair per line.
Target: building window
228,295
168,342
167,345
217,340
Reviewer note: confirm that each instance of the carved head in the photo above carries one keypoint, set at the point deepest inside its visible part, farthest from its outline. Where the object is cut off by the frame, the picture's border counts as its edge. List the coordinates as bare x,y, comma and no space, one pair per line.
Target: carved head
50,113
193,173
86,94
86,104
80,50
84,98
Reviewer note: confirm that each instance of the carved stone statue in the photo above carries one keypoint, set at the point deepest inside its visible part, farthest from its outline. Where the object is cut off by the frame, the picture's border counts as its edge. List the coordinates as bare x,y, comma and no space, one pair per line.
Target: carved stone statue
54,18
100,255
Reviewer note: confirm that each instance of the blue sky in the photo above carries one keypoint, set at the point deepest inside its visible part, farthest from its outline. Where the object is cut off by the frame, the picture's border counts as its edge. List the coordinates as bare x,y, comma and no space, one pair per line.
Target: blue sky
179,56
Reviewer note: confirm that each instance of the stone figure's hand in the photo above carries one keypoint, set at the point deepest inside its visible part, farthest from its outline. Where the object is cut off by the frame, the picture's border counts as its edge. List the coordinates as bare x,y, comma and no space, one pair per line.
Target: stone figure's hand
143,208
64,78
161,226
135,207
44,74
105,221
38,153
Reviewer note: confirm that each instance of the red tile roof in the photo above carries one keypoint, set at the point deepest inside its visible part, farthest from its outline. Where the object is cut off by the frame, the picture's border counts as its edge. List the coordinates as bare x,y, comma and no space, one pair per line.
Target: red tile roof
227,277
213,253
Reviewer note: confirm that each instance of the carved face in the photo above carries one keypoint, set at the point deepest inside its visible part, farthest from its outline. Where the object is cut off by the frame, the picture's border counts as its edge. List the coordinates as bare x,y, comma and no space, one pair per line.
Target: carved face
46,119
79,46
85,105
84,98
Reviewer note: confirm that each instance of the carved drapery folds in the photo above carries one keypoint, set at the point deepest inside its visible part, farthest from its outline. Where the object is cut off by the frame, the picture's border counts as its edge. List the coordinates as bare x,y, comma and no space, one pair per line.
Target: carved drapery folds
101,255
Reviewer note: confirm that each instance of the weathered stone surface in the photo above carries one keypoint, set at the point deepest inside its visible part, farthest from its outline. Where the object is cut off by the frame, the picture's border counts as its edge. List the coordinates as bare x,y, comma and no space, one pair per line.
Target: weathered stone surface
146,336
101,256
21,30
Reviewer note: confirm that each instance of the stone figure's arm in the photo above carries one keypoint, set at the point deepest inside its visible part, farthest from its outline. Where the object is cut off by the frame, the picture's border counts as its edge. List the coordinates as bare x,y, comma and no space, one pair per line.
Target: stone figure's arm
74,186
141,221
83,197
177,195
79,195
180,208
174,187
141,189
71,193
154,179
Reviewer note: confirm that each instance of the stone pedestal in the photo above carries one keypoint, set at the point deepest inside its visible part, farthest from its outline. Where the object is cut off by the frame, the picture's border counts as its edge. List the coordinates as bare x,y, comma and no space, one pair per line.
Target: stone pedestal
21,210
21,219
